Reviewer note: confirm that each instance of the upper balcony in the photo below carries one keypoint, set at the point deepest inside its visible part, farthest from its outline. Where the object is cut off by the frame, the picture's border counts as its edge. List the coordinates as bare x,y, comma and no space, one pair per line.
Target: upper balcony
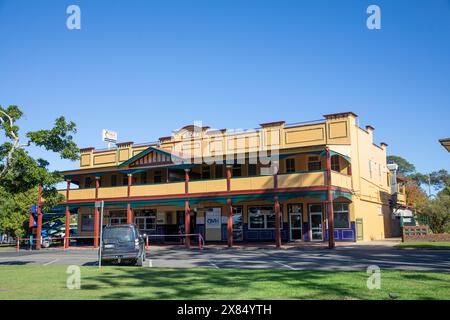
262,183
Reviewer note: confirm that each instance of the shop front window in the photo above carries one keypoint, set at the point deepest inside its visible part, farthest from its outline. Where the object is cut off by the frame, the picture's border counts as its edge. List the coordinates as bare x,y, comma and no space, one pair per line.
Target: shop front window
262,217
238,234
341,215
87,223
145,219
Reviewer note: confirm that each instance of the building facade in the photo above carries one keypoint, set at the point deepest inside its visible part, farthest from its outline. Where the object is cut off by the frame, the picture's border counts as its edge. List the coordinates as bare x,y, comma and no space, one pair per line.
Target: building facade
277,183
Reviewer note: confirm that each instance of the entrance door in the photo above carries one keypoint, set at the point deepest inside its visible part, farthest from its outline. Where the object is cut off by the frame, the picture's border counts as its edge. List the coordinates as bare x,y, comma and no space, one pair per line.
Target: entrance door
213,223
295,221
315,222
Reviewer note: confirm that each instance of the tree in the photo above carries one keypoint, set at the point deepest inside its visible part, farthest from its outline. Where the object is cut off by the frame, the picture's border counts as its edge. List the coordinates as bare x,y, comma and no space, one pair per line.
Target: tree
405,168
20,174
438,212
415,196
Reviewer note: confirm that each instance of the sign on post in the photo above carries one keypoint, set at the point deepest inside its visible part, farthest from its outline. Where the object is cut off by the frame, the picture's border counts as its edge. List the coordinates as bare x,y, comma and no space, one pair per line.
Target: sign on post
109,136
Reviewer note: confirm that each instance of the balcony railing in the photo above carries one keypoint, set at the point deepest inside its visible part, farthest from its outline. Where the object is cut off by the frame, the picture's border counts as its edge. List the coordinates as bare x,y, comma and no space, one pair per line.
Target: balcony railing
285,181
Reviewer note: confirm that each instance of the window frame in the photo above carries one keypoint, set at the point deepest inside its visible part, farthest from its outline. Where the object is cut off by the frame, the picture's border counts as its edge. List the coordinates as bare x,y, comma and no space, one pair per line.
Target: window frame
159,175
290,165
146,214
312,161
252,165
335,163
249,214
341,211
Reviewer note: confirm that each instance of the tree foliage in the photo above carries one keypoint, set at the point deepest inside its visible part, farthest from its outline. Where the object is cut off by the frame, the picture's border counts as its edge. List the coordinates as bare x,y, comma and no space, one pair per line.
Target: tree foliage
20,173
438,212
436,209
405,168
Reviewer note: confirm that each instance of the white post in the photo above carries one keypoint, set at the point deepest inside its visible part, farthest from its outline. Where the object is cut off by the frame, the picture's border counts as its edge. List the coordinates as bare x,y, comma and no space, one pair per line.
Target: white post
102,204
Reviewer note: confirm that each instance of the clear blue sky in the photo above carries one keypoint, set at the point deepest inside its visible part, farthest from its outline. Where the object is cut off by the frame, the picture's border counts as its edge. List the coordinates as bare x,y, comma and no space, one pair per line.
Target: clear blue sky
144,68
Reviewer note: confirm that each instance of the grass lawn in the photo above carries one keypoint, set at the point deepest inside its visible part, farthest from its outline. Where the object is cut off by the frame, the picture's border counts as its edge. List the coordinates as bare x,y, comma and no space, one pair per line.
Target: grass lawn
425,245
7,248
121,282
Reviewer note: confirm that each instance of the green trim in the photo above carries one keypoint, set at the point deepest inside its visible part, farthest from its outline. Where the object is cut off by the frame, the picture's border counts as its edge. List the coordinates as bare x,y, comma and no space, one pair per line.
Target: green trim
335,153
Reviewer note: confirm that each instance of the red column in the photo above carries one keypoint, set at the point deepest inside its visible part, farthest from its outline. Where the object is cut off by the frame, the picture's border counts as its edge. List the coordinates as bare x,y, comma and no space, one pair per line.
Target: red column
277,223
229,175
129,212
230,223
96,215
31,220
187,210
67,233
187,222
39,218
331,243
277,207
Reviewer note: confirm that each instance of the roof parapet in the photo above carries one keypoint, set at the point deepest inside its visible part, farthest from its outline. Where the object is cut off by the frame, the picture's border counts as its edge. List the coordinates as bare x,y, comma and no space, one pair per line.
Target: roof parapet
340,115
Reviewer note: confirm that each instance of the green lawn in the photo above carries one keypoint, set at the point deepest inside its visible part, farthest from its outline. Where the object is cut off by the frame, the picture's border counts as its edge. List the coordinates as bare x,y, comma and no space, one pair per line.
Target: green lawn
114,282
425,245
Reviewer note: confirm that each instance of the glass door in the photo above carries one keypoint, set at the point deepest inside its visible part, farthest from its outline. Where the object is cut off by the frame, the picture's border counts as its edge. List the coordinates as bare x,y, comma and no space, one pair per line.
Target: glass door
316,221
295,221
238,233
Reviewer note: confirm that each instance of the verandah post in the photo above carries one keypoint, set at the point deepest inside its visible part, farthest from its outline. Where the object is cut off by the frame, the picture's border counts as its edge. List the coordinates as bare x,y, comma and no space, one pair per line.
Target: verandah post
331,242
96,214
67,233
277,206
230,223
187,210
129,212
39,218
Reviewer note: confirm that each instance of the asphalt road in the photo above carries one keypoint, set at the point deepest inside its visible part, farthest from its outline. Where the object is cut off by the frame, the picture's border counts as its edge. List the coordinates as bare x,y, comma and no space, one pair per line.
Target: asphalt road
341,258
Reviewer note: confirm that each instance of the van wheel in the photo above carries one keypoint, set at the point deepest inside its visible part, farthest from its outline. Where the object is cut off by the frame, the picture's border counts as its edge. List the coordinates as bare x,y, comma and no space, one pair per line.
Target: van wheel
46,243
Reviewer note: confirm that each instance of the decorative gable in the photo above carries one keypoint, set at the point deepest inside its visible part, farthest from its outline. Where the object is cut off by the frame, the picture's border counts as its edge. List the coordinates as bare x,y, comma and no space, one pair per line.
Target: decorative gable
152,158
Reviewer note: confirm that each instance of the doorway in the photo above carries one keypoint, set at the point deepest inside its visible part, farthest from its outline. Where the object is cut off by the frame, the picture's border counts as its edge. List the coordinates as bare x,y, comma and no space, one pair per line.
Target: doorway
316,222
295,221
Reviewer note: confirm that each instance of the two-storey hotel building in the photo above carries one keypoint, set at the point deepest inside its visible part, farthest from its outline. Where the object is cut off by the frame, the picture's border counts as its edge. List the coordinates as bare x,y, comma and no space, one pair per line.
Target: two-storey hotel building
279,182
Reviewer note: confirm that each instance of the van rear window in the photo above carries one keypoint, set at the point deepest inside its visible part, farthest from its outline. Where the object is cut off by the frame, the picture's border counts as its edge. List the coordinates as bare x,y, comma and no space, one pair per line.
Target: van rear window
123,234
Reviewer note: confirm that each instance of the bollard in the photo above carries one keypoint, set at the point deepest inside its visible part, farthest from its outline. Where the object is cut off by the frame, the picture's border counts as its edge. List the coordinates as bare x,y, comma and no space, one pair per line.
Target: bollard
146,244
18,244
200,242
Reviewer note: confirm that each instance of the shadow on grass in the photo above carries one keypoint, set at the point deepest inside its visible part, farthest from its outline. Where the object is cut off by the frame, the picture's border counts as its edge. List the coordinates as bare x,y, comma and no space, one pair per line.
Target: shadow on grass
142,283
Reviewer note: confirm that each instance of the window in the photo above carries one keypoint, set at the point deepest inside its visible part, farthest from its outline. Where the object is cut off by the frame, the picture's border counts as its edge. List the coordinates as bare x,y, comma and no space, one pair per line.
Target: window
252,169
290,165
263,217
238,234
314,163
341,216
143,177
125,180
206,172
219,171
87,182
157,177
237,170
87,222
370,168
335,165
113,180
118,217
145,219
